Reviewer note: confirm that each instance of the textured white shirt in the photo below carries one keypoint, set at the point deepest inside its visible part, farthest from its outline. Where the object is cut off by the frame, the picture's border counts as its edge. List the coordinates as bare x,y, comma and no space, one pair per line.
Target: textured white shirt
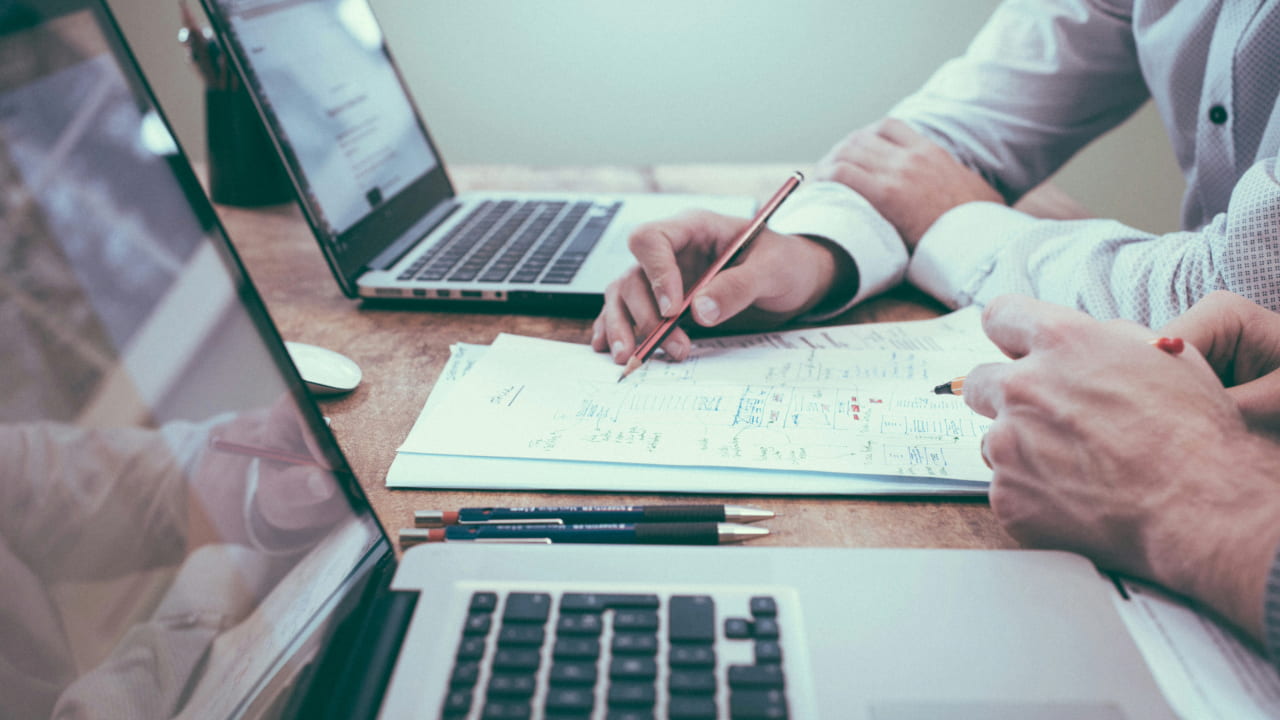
1041,80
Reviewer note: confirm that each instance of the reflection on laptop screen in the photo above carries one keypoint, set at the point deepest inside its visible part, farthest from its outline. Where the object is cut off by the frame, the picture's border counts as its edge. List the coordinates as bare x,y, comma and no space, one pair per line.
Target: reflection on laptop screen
337,100
168,531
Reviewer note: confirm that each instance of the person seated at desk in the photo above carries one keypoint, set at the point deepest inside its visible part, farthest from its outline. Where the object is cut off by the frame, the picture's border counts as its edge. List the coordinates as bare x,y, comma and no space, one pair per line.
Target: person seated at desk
922,194
1141,460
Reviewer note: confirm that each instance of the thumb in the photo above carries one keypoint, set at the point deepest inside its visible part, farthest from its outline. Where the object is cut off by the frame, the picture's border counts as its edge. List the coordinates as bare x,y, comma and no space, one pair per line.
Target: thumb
729,293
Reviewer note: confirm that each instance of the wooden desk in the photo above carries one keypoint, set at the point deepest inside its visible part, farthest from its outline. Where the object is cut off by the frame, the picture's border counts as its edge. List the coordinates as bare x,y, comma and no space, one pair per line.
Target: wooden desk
403,351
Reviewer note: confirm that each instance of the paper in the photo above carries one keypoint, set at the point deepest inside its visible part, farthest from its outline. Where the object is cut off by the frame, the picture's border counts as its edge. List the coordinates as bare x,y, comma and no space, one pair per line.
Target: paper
1204,670
738,406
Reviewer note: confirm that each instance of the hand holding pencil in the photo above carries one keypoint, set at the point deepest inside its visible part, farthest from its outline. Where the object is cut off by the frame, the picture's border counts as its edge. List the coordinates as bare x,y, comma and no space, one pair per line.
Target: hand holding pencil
778,278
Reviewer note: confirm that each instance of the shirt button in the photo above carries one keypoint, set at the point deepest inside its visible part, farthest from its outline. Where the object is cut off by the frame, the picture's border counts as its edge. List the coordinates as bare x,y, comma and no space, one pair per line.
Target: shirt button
1217,114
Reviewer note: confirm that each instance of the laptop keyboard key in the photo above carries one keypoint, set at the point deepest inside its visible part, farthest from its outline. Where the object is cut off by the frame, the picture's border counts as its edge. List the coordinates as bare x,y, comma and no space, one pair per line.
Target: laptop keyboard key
692,707
755,676
768,652
596,602
692,619
527,607
632,694
512,685
484,602
692,656
570,699
764,606
634,643
629,714
517,659
507,710
633,668
573,673
692,682
757,705
576,648
580,624
528,635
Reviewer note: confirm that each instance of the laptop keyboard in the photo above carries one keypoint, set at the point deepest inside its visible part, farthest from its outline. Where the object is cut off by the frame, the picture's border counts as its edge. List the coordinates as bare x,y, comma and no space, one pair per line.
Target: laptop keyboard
538,241
615,657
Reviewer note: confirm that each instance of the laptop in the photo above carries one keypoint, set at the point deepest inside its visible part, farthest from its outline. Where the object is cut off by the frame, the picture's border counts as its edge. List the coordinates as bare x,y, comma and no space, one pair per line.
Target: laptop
180,535
372,184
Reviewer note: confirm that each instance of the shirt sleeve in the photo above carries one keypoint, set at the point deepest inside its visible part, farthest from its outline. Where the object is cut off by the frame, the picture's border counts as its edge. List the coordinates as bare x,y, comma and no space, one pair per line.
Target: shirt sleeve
837,214
1271,612
1039,81
979,250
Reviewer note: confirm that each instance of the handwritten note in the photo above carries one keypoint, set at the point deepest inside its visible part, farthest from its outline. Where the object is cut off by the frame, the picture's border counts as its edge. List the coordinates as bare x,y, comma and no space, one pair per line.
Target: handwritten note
754,404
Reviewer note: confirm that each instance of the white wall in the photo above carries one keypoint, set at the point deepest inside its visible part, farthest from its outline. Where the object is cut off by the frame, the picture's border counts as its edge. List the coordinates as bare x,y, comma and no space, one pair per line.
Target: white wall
569,82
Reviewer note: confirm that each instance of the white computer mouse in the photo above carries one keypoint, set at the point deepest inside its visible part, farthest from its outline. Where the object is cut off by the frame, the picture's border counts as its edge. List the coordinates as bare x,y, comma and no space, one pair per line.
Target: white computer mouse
324,371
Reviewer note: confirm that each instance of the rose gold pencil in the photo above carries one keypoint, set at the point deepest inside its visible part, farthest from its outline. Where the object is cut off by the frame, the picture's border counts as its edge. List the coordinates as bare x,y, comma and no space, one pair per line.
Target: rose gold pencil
749,233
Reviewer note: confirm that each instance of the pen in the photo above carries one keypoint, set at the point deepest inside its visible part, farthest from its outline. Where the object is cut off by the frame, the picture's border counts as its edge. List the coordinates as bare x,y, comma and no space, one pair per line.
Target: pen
749,233
695,533
1173,346
589,514
264,453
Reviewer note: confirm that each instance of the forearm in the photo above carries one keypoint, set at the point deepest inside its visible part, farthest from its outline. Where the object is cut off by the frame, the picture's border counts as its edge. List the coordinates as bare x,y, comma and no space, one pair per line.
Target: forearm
980,250
1038,82
1221,548
125,483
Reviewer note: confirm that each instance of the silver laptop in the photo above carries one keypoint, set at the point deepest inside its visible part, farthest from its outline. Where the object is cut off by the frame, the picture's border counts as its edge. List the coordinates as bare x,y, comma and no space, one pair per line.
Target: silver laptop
376,192
180,535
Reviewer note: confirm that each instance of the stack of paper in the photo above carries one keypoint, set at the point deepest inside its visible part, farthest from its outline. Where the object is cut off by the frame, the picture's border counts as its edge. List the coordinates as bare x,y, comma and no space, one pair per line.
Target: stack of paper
834,410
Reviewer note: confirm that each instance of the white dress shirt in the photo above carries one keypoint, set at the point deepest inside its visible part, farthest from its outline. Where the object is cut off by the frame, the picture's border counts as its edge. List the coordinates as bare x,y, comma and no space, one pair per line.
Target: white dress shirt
1041,80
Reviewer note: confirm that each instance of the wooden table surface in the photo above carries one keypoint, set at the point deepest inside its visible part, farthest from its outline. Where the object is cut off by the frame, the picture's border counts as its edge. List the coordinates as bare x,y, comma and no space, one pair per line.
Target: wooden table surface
402,352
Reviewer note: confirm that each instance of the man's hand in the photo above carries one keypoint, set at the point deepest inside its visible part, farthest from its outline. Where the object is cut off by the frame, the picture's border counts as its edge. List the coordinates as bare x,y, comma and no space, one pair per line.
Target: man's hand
1241,340
780,277
1106,446
290,501
908,178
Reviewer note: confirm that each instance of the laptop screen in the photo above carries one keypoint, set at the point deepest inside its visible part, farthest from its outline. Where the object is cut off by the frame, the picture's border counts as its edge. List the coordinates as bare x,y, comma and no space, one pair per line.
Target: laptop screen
175,518
360,158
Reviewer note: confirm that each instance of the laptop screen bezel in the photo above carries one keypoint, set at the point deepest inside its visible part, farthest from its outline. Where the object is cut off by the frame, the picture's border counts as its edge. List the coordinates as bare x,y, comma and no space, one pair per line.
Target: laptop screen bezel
384,224
380,553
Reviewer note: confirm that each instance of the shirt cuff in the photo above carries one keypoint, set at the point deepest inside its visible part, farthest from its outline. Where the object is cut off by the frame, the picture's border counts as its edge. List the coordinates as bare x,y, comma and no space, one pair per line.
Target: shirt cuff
834,212
959,250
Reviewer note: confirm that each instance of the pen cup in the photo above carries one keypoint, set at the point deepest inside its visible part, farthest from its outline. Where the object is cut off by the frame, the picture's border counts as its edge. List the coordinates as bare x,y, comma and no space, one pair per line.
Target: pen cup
244,169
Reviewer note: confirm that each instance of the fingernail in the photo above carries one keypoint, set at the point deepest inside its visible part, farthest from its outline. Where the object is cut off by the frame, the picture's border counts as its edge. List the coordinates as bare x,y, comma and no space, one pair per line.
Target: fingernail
664,305
708,310
595,335
617,348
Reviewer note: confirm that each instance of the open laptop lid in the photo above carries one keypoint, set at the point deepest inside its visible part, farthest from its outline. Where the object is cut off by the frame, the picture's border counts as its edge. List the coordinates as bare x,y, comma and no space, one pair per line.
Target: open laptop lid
155,563
364,168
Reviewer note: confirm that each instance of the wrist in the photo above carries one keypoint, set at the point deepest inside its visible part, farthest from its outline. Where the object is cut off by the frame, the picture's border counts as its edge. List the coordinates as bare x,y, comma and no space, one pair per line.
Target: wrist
1220,548
837,276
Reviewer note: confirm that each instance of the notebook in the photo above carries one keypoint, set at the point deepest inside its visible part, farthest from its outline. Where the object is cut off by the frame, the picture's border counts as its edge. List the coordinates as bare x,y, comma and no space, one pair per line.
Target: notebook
180,535
376,192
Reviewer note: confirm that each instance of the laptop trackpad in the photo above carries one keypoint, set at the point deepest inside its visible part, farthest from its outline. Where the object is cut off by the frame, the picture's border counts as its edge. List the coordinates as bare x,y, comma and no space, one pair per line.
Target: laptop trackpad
996,711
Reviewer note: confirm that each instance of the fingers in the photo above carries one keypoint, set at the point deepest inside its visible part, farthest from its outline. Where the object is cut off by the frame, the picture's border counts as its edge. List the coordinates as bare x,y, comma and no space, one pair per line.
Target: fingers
1259,402
629,314
659,247
1240,339
1017,324
984,388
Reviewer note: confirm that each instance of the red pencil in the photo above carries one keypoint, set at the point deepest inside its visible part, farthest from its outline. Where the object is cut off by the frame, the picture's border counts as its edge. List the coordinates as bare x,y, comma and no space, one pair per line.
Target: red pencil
749,233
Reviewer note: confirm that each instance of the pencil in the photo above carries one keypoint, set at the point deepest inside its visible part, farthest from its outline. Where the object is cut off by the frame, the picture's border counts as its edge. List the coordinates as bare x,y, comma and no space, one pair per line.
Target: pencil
1173,346
749,233
284,456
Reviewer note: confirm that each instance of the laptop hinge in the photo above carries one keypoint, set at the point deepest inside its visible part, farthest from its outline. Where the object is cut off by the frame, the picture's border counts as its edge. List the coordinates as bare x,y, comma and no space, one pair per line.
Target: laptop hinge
348,678
409,239
358,691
